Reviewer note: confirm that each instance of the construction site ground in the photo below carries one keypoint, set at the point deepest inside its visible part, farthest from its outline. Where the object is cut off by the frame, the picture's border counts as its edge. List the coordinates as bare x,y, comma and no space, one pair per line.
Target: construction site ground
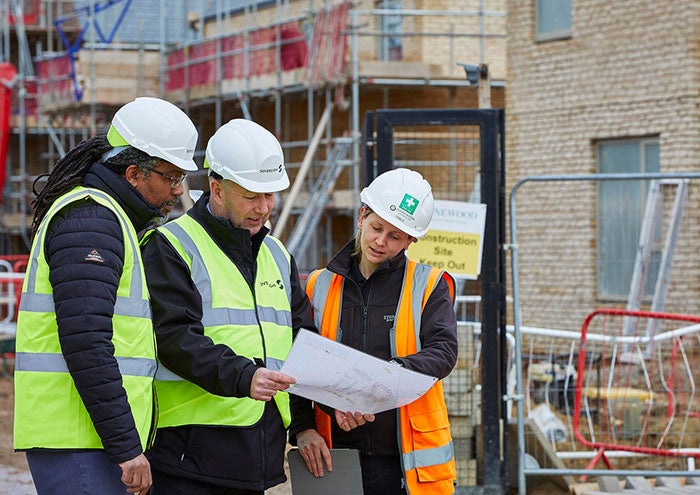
15,478
14,472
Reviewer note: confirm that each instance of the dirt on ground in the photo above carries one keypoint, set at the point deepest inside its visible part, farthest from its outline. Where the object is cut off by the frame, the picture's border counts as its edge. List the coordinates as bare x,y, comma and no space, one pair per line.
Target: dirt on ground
14,472
16,480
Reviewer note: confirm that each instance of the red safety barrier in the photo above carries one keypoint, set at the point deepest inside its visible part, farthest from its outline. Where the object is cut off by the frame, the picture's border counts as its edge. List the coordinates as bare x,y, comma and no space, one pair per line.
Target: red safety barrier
293,48
329,45
18,262
31,9
233,65
54,79
7,80
649,364
238,60
203,69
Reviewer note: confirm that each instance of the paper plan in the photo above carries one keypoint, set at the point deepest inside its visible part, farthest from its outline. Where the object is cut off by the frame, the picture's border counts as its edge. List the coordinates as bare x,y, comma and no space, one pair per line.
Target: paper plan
346,379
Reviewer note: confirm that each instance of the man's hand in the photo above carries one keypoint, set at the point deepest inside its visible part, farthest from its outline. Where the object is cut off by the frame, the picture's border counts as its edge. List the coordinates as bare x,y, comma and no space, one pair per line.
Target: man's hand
349,421
314,451
266,383
136,475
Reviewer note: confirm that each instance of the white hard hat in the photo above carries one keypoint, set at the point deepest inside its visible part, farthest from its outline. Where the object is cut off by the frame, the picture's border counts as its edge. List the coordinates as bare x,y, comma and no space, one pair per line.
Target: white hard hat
158,128
403,198
249,155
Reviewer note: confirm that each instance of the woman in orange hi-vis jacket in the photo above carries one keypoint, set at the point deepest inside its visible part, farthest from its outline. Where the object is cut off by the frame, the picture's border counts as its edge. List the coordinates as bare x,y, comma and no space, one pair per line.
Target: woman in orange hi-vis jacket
372,298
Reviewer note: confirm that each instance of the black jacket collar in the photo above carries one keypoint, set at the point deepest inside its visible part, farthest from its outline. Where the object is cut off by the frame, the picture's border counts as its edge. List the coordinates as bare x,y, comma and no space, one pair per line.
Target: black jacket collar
347,265
141,214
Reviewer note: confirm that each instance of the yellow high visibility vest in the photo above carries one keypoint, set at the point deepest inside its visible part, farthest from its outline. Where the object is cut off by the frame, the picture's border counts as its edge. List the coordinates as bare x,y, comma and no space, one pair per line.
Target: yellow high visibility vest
49,412
255,325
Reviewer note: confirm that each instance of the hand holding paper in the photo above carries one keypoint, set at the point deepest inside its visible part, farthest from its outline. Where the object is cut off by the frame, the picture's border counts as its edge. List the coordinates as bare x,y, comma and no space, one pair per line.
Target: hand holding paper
346,379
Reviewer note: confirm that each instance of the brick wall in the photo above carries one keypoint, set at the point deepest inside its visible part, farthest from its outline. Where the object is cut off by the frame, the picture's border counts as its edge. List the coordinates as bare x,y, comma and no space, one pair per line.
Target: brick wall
630,69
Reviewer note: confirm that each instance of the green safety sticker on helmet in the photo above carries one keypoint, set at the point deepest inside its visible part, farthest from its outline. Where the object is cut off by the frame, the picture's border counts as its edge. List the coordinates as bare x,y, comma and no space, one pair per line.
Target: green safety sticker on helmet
409,204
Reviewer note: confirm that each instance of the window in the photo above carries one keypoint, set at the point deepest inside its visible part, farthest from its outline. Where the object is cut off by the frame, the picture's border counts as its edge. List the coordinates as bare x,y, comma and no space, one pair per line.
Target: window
391,42
552,19
621,207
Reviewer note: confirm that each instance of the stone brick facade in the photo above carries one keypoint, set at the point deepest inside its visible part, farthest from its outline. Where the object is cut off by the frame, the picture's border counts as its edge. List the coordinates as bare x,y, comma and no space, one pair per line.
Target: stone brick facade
630,69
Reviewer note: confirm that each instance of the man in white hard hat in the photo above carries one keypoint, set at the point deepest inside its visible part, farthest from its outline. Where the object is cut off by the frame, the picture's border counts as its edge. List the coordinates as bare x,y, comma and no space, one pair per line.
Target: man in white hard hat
85,345
226,303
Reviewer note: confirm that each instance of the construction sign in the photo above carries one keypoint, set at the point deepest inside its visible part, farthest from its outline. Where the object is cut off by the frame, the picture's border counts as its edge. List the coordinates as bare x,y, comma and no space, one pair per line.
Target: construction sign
454,240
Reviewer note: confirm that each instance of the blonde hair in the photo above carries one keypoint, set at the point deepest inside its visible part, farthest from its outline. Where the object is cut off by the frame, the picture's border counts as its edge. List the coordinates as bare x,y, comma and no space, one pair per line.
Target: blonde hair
364,212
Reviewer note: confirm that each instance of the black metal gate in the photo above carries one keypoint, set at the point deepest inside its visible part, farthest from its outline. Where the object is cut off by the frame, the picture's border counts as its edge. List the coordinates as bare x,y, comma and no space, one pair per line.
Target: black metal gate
461,153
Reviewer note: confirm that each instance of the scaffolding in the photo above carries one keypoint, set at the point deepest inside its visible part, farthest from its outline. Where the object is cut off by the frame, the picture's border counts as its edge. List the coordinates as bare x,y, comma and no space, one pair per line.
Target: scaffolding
282,65
310,71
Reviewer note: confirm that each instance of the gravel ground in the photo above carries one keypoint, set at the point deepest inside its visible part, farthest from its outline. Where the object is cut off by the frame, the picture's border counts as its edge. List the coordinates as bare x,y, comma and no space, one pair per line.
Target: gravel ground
15,481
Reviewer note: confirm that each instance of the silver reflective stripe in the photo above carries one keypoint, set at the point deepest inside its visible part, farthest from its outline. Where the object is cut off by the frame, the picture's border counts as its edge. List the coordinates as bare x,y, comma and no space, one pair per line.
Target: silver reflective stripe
200,275
163,374
273,364
54,362
36,303
273,315
320,295
428,457
34,262
43,303
134,305
212,317
228,316
283,264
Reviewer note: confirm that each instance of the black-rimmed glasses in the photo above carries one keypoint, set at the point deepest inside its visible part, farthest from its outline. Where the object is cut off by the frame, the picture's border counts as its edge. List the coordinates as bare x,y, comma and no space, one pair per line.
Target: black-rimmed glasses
174,181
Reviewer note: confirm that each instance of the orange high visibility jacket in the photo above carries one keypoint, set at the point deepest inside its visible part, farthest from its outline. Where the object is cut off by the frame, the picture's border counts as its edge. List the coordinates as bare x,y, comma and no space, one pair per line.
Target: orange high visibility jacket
426,443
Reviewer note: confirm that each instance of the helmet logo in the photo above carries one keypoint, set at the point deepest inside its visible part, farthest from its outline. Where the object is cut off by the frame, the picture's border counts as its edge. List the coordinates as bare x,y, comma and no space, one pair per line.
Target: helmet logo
272,170
409,204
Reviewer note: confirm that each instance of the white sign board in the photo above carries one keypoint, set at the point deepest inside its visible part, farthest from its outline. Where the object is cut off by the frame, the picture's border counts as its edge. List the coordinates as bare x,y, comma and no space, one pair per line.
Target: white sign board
454,241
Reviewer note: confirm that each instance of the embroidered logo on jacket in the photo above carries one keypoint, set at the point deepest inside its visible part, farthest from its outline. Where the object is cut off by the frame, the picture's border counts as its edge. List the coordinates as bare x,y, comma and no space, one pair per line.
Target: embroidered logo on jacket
94,256
278,283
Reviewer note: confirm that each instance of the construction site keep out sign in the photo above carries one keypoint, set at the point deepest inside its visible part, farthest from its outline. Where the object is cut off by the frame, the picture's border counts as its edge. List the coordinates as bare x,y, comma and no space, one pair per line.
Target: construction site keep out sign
454,240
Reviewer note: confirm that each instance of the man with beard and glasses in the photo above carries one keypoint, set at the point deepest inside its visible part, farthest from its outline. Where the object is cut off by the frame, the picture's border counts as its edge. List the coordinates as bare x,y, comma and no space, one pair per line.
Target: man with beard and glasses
86,360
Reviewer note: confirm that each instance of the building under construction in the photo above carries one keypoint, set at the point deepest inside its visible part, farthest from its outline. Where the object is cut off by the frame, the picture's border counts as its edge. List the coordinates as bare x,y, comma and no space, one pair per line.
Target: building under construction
308,71
314,73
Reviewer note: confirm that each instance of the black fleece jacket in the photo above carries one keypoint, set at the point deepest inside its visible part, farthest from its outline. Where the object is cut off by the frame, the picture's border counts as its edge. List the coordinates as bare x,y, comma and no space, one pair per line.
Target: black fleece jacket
366,318
247,458
84,292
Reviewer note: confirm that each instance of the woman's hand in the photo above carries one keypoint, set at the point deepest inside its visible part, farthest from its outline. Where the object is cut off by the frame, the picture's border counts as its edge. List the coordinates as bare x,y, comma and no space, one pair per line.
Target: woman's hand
349,421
